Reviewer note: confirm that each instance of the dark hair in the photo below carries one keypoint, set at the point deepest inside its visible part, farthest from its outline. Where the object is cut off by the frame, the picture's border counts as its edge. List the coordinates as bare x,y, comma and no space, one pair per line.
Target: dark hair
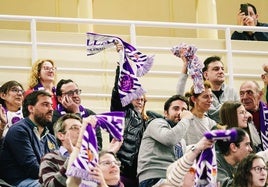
32,99
6,87
192,93
228,113
59,85
60,124
175,98
243,176
253,7
210,60
224,146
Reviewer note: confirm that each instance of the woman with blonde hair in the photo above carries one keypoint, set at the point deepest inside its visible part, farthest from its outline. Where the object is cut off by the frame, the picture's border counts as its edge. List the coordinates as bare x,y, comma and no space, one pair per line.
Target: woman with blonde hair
43,77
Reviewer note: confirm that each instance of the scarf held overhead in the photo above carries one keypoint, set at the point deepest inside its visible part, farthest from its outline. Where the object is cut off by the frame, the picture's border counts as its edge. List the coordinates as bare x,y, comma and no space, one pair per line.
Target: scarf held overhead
206,163
194,65
128,84
113,123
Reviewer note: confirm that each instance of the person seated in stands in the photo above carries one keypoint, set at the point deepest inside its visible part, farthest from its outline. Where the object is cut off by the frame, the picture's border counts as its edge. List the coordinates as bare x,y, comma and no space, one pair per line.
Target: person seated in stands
27,141
248,16
43,77
11,98
160,144
106,172
250,96
69,101
53,165
234,114
230,154
213,72
192,129
251,171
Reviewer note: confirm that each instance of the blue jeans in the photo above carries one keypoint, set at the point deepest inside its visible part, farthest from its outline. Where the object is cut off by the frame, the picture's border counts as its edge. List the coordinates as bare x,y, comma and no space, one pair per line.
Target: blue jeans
149,182
29,183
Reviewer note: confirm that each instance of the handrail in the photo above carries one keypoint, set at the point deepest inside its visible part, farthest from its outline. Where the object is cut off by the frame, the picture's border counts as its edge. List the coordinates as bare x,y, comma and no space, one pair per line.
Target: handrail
33,20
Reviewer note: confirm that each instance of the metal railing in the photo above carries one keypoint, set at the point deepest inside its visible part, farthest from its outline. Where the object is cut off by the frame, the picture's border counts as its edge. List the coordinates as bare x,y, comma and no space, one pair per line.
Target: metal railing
33,20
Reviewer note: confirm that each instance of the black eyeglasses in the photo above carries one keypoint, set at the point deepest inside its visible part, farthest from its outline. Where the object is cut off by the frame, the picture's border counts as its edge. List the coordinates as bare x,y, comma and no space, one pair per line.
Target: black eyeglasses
258,169
17,90
72,92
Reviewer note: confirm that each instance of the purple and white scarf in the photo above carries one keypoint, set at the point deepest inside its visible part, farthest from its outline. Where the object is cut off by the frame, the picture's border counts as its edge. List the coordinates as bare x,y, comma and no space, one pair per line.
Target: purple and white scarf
39,86
206,163
83,112
113,122
128,84
194,66
264,125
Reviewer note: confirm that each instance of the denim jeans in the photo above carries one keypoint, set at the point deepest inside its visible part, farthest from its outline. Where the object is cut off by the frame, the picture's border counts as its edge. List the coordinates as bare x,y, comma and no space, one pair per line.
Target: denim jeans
29,183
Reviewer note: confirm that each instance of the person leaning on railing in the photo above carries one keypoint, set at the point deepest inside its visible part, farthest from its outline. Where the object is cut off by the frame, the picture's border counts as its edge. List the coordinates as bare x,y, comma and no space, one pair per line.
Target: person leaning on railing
249,17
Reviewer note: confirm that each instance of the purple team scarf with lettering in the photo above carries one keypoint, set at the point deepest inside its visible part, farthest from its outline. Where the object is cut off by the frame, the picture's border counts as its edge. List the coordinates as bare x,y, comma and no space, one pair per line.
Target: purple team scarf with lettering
128,84
194,66
206,163
113,123
264,125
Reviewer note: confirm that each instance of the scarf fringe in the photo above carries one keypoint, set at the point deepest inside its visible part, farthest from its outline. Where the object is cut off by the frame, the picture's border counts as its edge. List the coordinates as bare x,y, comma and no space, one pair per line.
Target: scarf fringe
146,67
130,96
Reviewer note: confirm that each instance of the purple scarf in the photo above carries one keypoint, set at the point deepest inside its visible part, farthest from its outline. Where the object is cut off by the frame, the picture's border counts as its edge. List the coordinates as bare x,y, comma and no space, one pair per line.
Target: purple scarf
194,65
264,125
206,163
39,86
113,122
128,84
83,112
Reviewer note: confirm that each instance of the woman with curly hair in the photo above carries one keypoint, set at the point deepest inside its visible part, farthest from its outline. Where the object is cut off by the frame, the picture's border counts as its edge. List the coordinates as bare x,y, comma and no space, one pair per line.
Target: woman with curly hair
251,172
43,77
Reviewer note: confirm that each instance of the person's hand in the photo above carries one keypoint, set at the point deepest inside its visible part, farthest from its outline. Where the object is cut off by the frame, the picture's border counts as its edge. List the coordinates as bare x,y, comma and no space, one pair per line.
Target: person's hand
203,144
114,145
92,120
240,18
186,114
97,175
3,117
248,21
67,143
118,46
69,104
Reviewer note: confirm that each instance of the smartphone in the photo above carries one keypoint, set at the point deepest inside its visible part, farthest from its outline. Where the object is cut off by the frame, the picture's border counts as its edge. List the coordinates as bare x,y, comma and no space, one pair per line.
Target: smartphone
244,8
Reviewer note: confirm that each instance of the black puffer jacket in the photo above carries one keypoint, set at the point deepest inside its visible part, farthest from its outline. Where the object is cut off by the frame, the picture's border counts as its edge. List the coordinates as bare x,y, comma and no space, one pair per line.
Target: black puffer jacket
134,128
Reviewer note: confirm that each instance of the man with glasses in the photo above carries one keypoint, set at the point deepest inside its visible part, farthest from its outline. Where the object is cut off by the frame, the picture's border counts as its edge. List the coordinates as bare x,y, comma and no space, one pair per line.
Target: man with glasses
28,141
53,165
250,96
69,101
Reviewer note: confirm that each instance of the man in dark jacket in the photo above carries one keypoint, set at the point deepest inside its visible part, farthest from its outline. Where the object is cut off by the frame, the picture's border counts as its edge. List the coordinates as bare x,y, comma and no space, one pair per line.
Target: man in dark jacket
27,141
249,17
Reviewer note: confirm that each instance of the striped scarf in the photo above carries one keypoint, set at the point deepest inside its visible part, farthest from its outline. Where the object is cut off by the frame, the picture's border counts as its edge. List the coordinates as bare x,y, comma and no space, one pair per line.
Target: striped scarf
206,163
264,125
194,65
113,122
128,84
